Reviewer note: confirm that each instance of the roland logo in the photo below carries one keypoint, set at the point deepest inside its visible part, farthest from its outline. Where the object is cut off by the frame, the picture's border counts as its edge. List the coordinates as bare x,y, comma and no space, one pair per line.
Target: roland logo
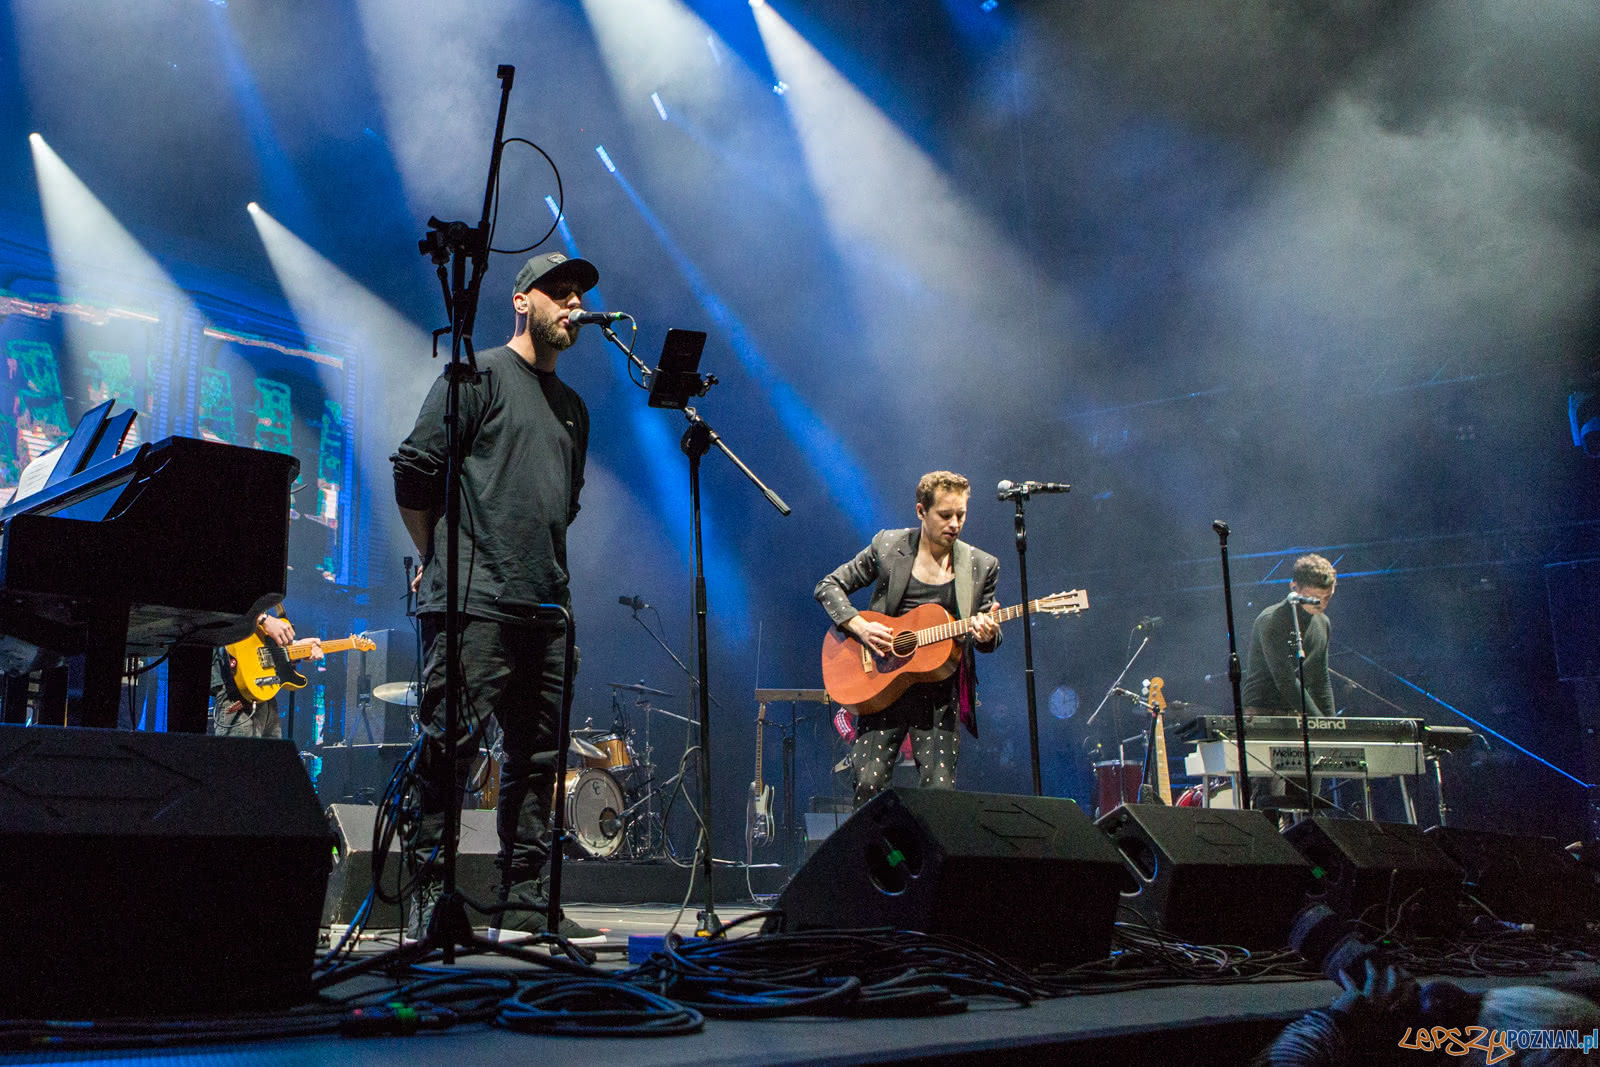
1325,724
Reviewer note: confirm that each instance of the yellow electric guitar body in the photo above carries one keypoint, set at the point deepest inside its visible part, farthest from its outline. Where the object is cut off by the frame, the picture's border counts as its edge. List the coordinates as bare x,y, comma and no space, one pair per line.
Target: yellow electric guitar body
261,668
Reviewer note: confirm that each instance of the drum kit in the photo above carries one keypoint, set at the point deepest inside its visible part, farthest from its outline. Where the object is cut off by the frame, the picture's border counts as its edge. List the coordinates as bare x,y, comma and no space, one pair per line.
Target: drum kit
608,784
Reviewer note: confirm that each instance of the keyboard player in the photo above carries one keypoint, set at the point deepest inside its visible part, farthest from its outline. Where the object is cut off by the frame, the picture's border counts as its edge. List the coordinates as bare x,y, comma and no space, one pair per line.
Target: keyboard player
1271,680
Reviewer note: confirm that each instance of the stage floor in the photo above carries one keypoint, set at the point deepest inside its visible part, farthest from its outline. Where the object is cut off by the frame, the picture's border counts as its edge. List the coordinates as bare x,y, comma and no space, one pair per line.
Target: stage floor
1179,1024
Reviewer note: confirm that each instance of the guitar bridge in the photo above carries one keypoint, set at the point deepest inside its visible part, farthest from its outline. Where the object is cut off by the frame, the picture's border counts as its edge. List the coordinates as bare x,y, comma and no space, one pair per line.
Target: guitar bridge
866,659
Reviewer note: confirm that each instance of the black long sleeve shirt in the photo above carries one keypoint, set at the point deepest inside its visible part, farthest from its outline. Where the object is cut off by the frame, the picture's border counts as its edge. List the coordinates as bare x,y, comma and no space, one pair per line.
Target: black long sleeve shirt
525,438
1271,679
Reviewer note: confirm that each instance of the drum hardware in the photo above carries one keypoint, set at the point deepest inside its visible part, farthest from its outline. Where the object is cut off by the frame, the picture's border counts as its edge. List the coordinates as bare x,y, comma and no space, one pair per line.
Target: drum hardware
637,687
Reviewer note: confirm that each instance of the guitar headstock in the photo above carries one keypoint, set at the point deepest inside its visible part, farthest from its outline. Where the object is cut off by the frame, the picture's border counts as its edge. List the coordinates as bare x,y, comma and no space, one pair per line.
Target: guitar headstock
1064,603
1154,697
363,643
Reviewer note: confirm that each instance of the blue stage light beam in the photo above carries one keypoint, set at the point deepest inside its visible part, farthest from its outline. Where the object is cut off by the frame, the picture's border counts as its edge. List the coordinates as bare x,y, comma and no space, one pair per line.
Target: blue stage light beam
669,486
1408,683
849,486
95,258
280,185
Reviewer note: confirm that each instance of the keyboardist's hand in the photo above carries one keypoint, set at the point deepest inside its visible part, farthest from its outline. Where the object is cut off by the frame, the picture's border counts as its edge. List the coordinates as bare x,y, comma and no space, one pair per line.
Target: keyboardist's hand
275,629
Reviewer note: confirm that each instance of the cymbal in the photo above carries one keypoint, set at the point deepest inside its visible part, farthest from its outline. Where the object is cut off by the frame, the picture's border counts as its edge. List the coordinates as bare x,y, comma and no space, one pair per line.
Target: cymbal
640,688
402,693
585,749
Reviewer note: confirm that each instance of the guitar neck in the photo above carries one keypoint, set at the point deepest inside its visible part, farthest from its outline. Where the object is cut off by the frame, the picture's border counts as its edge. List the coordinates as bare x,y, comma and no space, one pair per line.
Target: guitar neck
1163,771
302,649
957,627
761,733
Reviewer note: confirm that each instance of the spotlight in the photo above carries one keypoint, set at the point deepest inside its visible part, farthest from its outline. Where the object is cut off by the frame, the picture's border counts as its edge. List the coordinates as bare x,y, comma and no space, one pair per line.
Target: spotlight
780,87
758,3
661,109
600,150
989,5
550,202
252,207
34,138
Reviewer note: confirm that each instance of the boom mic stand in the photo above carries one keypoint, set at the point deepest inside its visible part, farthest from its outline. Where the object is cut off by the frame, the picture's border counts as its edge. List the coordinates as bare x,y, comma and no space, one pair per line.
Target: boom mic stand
672,389
682,666
1233,669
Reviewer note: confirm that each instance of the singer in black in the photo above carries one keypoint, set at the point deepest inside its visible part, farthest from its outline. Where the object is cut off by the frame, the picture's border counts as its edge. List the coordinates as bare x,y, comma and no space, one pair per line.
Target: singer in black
906,568
524,437
1271,681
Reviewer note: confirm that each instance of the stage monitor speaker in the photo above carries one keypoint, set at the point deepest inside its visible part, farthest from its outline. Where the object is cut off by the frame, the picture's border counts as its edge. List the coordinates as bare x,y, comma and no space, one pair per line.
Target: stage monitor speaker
155,873
1523,879
477,872
1208,876
1388,874
1026,877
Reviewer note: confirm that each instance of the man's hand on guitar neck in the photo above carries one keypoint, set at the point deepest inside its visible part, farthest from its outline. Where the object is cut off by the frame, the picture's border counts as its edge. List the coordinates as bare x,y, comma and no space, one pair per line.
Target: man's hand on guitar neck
984,628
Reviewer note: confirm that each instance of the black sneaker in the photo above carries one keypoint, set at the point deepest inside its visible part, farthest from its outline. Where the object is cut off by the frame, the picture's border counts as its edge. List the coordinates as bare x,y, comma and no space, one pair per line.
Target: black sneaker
419,909
526,919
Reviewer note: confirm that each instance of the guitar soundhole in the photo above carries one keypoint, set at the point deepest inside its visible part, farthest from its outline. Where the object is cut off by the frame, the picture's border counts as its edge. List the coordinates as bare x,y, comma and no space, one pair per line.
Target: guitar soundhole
904,643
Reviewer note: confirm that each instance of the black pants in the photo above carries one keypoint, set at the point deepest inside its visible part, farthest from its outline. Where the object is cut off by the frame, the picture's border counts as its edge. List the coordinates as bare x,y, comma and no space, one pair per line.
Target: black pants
513,673
250,720
927,713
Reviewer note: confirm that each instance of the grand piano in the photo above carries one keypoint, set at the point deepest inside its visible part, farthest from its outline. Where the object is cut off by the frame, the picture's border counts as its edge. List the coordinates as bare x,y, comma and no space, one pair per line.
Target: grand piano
164,549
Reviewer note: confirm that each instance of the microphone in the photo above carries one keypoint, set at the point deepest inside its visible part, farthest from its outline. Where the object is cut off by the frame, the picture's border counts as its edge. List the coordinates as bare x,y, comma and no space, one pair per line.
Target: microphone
1009,490
578,318
1149,622
635,602
1301,598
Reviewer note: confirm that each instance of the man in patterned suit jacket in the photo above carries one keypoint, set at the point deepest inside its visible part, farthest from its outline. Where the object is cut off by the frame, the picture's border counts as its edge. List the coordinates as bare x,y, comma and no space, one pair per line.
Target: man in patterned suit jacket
925,564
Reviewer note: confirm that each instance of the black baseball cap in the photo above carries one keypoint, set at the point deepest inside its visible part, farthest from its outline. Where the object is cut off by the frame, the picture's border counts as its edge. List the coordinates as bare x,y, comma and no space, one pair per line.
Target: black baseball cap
552,268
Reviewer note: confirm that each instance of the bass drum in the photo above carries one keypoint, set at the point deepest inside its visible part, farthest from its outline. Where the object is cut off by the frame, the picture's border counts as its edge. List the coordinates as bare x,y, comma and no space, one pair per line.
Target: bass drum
594,812
1193,797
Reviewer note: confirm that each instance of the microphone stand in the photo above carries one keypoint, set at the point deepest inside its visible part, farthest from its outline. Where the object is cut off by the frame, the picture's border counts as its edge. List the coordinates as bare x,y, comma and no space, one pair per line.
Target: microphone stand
1305,726
454,243
1019,494
1233,669
682,666
695,443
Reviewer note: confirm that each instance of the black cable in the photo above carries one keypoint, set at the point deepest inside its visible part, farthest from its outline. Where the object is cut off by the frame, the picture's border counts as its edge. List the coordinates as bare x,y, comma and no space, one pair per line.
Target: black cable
561,203
595,1007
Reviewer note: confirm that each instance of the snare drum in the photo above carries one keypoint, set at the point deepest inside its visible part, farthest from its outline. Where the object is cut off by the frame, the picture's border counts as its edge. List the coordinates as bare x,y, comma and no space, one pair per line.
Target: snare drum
1115,782
618,753
594,811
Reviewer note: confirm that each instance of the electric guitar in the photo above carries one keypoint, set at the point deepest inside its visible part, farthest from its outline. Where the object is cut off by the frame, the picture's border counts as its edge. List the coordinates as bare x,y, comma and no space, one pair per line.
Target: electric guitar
261,668
925,650
758,829
1156,702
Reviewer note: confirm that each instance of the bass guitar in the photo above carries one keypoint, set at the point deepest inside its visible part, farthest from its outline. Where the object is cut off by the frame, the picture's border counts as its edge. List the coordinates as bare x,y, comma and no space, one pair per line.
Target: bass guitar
924,650
261,668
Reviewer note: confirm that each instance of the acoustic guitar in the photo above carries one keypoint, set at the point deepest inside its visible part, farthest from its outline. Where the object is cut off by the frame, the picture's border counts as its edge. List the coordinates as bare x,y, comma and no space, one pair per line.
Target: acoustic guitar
261,668
924,650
